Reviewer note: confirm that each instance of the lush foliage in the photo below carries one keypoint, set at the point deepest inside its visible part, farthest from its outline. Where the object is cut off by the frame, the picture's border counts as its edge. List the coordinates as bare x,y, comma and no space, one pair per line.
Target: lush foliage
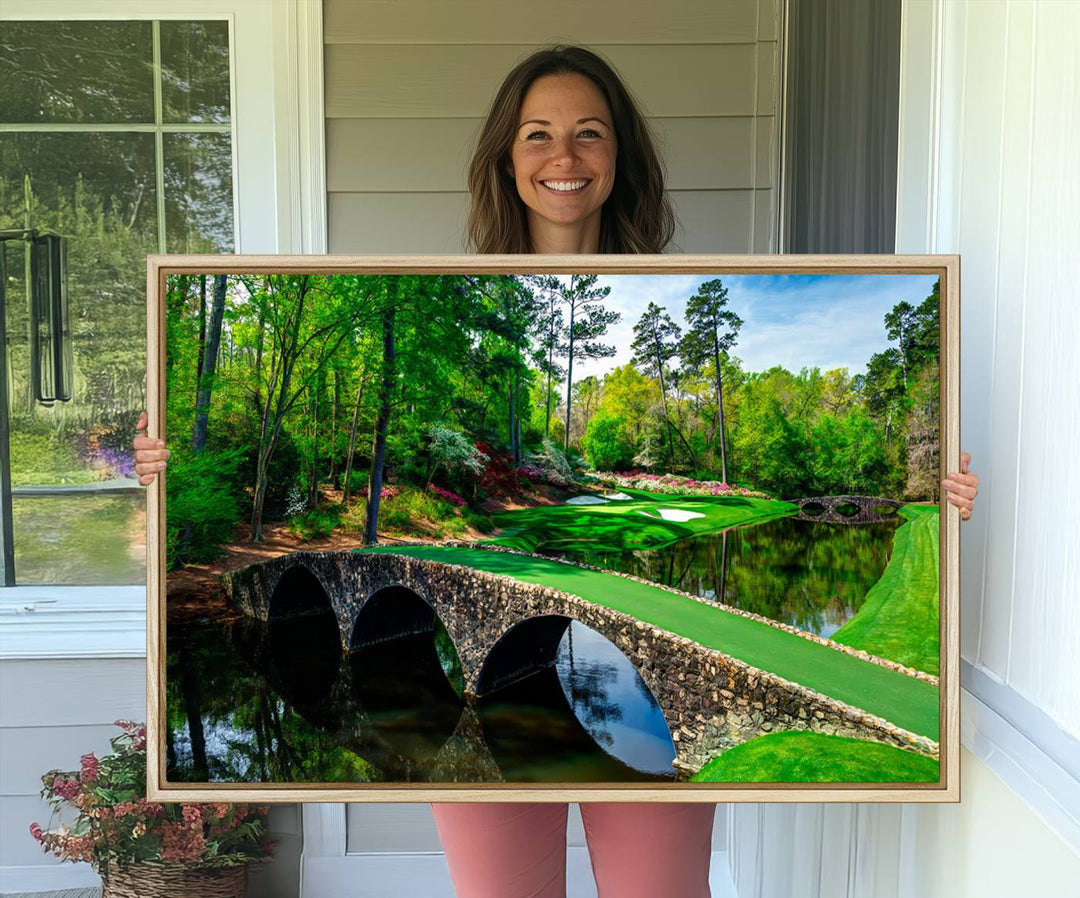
450,385
204,503
115,824
453,452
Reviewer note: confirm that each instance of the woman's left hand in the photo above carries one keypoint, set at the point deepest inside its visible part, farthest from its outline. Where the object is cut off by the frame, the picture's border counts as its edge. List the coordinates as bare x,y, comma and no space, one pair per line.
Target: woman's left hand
962,487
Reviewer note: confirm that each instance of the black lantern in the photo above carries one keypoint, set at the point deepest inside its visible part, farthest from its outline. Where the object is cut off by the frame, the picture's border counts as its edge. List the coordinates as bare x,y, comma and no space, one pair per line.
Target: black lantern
50,330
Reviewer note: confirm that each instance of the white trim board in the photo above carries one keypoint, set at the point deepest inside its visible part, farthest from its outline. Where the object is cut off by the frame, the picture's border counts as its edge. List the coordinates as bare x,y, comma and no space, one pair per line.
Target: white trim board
38,622
1029,769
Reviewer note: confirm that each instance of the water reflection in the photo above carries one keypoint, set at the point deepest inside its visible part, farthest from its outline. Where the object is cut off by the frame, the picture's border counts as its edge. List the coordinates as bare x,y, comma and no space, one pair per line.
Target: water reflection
612,702
281,702
810,574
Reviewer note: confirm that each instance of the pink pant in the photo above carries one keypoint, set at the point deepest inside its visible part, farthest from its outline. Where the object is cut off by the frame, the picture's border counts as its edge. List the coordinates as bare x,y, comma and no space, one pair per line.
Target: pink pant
638,850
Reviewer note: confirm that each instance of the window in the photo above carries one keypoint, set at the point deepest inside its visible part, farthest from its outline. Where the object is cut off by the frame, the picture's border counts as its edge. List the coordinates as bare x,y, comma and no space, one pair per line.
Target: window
117,135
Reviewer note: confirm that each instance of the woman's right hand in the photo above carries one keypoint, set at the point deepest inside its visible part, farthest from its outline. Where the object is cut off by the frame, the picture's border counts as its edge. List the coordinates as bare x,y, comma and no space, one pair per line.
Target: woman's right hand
150,454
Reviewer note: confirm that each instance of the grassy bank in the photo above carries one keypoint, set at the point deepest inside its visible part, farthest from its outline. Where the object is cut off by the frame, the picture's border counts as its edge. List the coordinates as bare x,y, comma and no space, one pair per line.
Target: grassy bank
805,757
634,524
907,702
900,619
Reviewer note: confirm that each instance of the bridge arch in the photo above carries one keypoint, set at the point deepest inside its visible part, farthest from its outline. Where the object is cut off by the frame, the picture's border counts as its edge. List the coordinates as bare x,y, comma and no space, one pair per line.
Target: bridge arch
390,613
528,646
298,592
600,692
399,674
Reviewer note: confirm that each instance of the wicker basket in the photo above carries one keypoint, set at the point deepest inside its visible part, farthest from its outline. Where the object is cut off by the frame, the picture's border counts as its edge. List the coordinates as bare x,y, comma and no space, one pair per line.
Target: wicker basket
164,880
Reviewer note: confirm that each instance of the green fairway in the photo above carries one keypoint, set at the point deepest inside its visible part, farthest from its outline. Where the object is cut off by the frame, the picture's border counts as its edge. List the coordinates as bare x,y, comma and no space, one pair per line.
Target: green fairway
900,619
799,756
907,702
636,524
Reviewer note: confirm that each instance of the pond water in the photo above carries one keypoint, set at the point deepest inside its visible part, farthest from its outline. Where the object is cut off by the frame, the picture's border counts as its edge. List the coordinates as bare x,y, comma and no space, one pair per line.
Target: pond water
810,574
255,702
252,702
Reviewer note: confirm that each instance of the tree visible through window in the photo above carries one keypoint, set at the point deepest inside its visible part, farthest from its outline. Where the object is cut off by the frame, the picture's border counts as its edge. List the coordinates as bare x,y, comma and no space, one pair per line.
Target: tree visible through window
118,136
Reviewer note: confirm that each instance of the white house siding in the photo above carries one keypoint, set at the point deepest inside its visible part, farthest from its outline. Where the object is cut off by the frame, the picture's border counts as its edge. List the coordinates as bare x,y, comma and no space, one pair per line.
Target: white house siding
408,83
52,711
989,142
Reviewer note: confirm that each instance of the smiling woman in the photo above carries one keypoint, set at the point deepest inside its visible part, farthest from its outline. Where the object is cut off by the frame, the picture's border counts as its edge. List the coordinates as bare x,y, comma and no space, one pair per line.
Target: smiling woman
562,117
563,162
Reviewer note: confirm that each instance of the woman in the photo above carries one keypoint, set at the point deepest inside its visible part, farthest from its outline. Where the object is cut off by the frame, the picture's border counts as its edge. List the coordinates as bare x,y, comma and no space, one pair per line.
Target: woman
565,164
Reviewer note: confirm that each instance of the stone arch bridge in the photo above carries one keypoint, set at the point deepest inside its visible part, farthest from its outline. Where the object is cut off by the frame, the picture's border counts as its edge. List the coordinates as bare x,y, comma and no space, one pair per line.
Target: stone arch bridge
505,629
866,509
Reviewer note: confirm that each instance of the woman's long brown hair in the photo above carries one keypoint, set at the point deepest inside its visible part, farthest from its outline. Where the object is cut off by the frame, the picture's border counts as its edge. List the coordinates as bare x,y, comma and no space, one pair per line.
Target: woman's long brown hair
637,216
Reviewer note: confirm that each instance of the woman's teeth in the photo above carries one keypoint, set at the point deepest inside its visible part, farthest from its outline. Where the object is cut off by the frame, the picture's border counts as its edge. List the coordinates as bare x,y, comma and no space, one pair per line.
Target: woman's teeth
564,186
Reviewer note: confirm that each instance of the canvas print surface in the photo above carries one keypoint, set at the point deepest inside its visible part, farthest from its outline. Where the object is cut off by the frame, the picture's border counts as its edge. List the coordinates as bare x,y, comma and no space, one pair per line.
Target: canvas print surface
544,529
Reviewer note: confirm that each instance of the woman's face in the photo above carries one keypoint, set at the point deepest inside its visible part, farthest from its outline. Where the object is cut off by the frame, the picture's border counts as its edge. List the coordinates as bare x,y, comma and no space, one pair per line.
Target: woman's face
563,158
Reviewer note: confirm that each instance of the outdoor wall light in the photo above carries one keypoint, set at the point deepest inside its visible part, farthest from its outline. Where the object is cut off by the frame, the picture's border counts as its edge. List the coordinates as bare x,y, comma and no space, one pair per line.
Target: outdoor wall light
51,360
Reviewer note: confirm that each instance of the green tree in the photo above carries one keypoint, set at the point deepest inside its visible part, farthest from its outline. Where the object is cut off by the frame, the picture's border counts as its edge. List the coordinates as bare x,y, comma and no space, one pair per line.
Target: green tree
551,337
656,342
589,320
308,318
713,330
606,443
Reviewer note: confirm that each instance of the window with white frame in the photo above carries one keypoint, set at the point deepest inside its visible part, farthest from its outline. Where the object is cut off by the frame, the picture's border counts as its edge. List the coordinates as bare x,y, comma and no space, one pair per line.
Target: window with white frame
117,136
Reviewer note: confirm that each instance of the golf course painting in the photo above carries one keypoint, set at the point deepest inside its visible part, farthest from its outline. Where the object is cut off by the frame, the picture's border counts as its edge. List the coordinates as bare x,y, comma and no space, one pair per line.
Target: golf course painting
440,528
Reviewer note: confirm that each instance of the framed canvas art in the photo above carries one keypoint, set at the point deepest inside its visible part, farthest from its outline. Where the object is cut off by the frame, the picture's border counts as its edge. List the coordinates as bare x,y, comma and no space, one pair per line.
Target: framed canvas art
510,528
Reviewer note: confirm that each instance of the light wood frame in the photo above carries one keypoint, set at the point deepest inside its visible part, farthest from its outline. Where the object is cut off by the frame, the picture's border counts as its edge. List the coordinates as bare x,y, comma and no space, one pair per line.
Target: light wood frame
947,789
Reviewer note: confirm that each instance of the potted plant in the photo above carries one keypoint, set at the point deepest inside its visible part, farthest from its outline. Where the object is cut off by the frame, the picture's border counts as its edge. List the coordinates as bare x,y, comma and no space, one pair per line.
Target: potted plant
141,847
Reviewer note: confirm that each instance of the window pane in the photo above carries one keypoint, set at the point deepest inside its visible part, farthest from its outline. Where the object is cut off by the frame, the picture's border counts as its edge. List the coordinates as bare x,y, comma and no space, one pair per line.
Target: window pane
76,72
97,190
195,71
198,193
81,539
104,175
76,519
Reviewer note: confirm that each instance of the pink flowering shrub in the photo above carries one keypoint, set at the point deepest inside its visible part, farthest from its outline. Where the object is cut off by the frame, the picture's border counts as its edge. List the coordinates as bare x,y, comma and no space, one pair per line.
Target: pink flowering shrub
529,471
674,485
117,825
388,491
450,496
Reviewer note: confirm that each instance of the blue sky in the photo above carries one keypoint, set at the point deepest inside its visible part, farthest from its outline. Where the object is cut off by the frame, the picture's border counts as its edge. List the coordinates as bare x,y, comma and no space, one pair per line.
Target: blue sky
796,320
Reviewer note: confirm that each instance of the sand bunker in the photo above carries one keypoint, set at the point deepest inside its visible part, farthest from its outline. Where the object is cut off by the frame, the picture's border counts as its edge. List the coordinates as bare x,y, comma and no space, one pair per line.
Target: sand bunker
618,497
674,514
586,500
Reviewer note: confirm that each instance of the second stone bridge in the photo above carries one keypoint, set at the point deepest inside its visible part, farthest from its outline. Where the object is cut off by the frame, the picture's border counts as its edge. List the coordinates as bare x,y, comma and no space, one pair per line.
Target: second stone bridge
505,629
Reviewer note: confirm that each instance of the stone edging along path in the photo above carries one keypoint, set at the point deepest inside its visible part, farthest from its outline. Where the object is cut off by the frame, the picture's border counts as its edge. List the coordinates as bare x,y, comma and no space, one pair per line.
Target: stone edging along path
787,628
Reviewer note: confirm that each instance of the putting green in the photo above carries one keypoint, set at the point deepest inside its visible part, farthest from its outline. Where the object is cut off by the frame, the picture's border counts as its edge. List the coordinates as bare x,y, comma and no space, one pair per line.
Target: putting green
635,524
905,701
804,757
900,618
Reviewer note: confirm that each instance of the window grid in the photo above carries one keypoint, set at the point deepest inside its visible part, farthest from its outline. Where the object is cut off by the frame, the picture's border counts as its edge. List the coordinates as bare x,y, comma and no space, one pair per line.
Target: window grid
159,128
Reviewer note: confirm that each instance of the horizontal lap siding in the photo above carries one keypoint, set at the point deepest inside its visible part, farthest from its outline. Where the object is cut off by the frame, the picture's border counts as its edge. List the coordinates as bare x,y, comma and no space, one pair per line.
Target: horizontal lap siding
51,713
460,80
519,21
408,83
380,155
